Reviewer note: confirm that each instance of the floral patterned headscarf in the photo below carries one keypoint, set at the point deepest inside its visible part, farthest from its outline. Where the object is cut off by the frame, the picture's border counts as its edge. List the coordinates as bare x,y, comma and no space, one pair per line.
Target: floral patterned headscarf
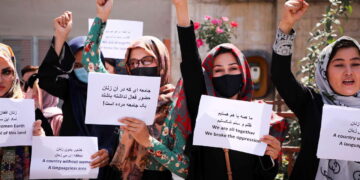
247,90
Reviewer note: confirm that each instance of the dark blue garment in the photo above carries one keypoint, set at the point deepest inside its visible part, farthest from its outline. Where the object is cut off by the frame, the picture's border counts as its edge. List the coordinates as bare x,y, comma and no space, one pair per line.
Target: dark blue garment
57,78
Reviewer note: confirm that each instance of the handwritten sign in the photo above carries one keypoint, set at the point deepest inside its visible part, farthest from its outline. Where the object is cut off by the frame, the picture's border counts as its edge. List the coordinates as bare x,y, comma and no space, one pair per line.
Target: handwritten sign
118,35
111,97
340,133
232,124
63,157
16,122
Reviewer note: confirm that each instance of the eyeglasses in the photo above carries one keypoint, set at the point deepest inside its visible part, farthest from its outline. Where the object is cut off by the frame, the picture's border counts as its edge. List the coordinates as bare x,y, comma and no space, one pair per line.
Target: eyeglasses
145,61
6,73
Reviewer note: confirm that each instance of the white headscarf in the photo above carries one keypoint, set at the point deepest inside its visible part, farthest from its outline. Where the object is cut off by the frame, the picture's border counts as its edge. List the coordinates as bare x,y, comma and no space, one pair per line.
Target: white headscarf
331,169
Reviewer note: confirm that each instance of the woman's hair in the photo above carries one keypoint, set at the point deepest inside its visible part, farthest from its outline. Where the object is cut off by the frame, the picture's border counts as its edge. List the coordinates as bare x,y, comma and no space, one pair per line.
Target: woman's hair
342,44
29,68
111,61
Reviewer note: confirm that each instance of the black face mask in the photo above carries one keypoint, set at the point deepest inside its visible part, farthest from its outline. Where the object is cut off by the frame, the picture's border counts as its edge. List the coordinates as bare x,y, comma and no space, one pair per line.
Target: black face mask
145,71
228,85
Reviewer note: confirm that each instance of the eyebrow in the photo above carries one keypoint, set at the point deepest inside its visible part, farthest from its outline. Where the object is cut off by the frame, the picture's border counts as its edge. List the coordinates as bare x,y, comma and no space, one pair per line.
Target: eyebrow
218,65
337,59
7,68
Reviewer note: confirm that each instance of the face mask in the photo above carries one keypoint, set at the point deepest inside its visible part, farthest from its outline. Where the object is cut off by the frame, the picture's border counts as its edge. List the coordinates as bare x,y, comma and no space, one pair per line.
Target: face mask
145,71
81,74
228,85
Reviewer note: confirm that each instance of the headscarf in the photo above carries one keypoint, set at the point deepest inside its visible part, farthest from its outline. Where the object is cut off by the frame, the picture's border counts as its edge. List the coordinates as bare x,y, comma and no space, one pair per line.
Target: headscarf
347,169
131,157
278,125
328,95
15,161
7,54
247,90
156,48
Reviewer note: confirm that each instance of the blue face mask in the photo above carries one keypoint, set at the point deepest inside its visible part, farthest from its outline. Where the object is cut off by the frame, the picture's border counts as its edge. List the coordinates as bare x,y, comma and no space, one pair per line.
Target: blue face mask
81,74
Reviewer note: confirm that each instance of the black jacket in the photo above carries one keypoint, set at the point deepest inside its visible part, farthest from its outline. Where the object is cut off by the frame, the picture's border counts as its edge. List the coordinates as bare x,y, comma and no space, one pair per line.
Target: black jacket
205,162
307,106
57,78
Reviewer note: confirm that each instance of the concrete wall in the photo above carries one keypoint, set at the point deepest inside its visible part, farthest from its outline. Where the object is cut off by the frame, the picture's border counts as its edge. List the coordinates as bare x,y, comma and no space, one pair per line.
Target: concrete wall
34,17
24,19
258,22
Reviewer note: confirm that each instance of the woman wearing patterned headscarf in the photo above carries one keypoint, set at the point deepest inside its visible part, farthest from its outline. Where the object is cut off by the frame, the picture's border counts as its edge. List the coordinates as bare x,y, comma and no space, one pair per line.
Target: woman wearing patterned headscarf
14,161
226,74
337,77
146,152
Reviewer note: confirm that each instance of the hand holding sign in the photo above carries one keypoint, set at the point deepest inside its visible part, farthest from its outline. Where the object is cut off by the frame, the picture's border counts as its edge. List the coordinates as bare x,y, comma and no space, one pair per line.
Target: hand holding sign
103,9
100,159
137,129
273,146
37,129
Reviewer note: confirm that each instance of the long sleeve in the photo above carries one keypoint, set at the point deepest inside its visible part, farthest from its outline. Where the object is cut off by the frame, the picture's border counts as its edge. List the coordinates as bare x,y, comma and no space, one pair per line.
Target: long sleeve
171,156
53,70
91,58
294,94
191,70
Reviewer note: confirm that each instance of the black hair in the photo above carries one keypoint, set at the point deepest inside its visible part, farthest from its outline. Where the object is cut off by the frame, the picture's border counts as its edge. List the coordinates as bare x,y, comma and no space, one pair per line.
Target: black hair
111,61
29,68
342,44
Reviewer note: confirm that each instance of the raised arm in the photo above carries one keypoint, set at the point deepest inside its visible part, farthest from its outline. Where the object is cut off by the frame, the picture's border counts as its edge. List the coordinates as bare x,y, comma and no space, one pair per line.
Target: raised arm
91,58
294,94
59,60
191,69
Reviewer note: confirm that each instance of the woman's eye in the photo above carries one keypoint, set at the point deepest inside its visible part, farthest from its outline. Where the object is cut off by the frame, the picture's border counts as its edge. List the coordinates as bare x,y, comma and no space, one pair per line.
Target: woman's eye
356,64
6,72
218,70
339,65
233,69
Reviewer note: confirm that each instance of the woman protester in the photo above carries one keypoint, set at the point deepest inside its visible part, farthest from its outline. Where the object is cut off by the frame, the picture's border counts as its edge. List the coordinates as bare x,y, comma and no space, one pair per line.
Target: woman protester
61,75
46,106
14,161
337,77
144,152
227,75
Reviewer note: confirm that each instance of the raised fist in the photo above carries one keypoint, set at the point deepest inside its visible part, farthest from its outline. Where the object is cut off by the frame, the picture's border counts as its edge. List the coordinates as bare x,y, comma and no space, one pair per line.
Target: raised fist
293,11
63,25
103,9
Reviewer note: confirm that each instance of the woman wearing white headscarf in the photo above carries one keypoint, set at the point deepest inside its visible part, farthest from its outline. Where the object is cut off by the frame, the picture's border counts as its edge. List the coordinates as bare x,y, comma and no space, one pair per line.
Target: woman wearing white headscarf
14,161
338,80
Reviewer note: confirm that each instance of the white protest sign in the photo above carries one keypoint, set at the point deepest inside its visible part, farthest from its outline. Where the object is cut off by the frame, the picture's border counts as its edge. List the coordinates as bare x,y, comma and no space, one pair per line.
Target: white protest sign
232,124
112,96
118,35
340,133
16,121
63,157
